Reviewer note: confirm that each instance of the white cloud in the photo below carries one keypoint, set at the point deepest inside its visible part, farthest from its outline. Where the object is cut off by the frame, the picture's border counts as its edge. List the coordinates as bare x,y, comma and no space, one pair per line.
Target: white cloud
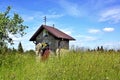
67,31
53,15
112,44
94,31
38,15
15,38
89,38
112,15
108,29
28,18
24,40
86,38
70,8
84,41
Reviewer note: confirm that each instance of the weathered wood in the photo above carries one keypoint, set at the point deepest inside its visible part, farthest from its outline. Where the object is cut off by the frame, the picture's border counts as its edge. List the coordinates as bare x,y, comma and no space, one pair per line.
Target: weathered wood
53,42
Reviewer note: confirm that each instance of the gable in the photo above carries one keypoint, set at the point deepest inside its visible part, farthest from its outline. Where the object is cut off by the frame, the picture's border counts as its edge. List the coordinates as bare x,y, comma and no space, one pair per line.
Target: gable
55,32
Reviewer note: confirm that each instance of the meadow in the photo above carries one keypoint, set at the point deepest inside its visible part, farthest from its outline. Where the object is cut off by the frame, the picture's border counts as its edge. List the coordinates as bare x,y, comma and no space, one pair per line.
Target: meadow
72,66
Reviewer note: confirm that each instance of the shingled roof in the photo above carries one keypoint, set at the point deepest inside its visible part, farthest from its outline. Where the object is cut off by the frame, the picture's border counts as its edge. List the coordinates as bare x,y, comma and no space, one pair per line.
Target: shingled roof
55,32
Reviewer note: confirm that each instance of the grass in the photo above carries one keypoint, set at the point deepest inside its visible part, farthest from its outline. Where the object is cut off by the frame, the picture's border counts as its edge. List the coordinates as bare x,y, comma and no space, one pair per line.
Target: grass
73,66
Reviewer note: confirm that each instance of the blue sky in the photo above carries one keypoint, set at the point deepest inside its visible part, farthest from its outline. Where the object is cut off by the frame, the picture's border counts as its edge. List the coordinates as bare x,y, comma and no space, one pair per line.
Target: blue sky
91,22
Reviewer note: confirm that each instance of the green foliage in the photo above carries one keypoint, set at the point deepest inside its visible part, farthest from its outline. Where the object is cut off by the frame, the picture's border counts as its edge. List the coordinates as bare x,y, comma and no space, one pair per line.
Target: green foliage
5,50
81,66
31,52
14,50
20,48
10,25
100,49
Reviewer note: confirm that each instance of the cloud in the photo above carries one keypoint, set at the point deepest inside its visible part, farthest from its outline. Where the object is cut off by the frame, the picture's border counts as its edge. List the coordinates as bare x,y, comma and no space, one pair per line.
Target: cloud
15,38
67,31
94,31
27,45
28,18
39,15
108,29
54,15
110,15
86,38
70,8
84,41
112,44
89,38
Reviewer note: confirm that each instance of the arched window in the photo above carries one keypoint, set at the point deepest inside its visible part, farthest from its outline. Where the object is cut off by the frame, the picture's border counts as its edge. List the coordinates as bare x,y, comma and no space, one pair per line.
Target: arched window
45,33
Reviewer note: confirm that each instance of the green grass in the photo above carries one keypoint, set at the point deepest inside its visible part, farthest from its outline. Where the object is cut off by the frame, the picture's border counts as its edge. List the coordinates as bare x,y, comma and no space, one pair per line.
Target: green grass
73,66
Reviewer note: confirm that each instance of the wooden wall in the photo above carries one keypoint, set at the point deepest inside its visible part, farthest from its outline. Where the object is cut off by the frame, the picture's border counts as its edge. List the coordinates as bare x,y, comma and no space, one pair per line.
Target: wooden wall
52,41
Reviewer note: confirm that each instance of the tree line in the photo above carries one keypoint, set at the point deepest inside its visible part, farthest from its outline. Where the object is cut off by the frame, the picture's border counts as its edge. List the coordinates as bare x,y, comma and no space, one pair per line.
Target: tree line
97,49
19,50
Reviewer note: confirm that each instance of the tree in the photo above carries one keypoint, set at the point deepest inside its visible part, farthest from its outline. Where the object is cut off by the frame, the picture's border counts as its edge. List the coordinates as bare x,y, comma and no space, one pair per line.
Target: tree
101,49
20,48
10,25
32,52
14,50
98,49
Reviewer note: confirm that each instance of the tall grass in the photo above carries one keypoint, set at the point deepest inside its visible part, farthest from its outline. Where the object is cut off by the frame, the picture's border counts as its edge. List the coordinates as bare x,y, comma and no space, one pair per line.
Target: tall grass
73,66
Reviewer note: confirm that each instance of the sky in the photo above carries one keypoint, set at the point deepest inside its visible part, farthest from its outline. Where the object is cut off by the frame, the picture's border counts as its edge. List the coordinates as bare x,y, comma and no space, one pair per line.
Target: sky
91,22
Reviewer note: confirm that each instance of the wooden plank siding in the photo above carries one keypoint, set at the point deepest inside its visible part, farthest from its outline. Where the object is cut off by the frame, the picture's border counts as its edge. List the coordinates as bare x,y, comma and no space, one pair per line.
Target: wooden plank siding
52,41
54,37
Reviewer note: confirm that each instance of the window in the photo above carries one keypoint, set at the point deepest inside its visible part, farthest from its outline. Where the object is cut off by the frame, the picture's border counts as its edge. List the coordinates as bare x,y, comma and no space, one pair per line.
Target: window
45,33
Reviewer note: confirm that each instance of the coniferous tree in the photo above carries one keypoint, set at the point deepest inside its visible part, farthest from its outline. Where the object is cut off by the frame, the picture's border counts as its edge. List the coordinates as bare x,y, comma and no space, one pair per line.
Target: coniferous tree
20,48
98,49
118,50
102,49
14,50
